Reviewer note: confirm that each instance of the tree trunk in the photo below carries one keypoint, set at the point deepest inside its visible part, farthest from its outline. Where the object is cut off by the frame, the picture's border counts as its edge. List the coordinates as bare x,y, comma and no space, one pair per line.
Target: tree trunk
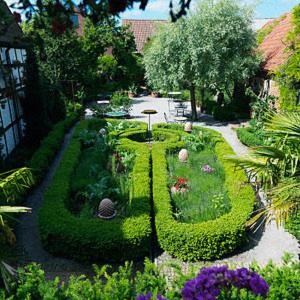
202,104
220,99
193,103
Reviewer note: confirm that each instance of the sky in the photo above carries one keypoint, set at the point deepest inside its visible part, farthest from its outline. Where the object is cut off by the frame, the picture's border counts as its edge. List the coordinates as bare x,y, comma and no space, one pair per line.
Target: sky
159,9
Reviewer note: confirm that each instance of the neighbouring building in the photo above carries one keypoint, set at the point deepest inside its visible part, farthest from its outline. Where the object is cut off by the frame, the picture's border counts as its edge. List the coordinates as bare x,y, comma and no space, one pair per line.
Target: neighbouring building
142,30
273,49
12,64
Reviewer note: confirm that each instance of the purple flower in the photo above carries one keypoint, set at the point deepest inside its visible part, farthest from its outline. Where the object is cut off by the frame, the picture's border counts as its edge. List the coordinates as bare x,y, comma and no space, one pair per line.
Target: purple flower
207,169
148,296
210,281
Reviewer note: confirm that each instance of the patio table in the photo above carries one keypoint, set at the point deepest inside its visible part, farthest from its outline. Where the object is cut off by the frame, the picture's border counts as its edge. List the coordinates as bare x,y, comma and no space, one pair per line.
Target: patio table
180,119
116,114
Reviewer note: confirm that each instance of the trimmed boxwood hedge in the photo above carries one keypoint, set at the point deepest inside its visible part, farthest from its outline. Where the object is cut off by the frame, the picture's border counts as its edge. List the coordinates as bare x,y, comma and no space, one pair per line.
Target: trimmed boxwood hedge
50,145
95,239
248,138
206,240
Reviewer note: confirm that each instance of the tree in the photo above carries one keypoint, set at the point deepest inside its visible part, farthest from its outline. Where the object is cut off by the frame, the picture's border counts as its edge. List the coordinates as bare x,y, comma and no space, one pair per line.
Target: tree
211,49
59,10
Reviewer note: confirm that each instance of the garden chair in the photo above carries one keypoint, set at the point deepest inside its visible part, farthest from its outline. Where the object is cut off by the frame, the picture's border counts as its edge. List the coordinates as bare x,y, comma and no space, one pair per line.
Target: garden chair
168,120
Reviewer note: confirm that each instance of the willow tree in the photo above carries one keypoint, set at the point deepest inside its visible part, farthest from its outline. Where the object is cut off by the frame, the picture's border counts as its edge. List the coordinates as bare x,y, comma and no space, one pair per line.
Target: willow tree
212,48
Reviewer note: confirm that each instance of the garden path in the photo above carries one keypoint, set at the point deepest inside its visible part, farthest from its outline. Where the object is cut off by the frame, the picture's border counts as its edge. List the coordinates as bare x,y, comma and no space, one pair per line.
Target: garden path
269,244
29,245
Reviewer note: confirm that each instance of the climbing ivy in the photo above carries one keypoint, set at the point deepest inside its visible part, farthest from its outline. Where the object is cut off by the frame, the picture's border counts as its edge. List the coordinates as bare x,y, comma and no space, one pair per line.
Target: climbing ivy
288,76
266,30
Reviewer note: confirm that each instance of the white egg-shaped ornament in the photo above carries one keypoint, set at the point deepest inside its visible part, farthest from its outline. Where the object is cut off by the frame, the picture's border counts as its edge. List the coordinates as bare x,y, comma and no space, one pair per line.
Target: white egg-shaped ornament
106,209
102,131
188,127
183,155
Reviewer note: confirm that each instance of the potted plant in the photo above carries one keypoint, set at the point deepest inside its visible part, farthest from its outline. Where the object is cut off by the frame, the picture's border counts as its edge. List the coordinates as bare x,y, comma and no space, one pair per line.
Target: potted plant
132,91
155,94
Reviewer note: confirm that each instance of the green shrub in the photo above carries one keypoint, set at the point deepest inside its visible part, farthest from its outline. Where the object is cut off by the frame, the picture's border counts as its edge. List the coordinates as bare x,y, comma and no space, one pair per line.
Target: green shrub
283,283
120,100
95,239
224,114
50,145
205,240
248,138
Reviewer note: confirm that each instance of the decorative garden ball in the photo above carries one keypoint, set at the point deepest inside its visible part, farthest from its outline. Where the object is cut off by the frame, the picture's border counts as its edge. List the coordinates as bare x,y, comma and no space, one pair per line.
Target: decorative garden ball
106,209
183,155
188,127
102,131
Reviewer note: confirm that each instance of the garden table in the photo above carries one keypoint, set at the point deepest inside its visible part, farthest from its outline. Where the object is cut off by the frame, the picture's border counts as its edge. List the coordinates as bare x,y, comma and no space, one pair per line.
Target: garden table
180,119
116,114
173,96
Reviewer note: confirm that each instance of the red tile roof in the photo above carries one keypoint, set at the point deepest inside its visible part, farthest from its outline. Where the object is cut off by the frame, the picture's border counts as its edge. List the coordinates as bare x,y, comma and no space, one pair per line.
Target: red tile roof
274,45
142,30
10,32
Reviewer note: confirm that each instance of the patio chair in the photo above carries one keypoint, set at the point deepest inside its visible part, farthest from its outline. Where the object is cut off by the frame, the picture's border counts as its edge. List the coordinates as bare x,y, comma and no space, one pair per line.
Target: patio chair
168,120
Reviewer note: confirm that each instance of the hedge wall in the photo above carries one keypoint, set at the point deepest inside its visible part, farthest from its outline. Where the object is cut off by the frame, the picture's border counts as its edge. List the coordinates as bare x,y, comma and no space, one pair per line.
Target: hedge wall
207,240
50,145
94,239
248,138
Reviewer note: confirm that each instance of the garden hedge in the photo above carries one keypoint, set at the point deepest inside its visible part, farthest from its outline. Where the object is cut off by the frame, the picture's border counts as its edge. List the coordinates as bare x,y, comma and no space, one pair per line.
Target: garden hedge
206,240
50,145
248,138
95,239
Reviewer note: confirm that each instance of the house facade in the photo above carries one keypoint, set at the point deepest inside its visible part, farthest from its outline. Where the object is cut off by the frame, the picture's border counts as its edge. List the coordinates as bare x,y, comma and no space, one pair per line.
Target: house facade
12,75
274,51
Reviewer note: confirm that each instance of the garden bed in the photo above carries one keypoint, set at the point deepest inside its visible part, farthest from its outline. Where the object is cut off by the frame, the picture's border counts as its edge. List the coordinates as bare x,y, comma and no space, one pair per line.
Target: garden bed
207,239
68,219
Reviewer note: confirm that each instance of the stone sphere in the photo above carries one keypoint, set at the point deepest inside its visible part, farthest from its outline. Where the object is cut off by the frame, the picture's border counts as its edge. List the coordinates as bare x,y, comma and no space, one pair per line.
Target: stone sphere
183,155
106,209
102,131
188,127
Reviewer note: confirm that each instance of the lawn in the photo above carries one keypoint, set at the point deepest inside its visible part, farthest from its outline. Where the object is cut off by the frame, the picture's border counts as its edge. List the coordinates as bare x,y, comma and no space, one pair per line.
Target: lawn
206,198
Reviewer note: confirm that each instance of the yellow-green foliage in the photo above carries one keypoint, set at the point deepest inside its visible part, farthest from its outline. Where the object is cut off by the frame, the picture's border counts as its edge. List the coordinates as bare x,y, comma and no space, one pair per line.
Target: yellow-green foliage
265,31
206,240
288,75
95,239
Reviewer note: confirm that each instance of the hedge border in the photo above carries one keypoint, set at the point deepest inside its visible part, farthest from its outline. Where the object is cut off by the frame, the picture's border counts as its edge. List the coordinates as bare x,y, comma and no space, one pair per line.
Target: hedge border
49,147
248,138
206,240
94,239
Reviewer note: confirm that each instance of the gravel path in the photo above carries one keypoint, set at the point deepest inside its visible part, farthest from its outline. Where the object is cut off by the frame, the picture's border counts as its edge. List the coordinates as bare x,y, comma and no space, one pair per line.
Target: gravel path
29,246
271,242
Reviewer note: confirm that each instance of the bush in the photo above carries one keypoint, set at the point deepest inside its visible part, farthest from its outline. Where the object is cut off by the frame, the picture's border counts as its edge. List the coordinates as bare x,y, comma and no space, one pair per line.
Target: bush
95,239
124,284
248,138
50,145
120,100
206,240
224,114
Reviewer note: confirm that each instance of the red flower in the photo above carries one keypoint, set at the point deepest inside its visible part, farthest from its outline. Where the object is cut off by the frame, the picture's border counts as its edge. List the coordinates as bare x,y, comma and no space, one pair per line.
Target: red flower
182,181
177,187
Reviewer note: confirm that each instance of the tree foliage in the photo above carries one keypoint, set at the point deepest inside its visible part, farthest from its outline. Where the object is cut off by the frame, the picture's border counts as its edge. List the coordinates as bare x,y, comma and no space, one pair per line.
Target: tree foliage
212,48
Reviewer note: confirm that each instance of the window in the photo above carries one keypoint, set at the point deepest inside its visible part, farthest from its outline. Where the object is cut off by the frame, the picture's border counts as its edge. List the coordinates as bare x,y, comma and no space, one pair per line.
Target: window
75,21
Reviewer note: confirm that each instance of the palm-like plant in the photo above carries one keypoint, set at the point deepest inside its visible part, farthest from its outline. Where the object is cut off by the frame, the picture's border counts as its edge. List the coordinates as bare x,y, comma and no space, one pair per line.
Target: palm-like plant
13,184
277,166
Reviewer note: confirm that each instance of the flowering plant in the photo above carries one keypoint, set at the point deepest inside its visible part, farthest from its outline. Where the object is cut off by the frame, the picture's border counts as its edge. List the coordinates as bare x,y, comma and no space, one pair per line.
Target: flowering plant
207,169
149,296
180,185
218,281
